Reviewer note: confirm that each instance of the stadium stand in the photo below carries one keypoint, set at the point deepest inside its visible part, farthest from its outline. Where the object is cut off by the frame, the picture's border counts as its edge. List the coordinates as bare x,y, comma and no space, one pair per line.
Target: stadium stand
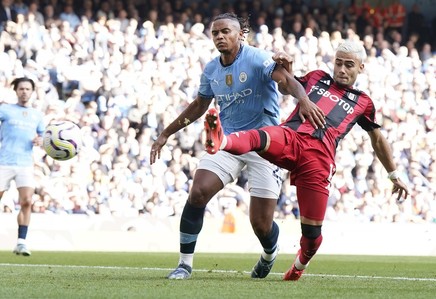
122,72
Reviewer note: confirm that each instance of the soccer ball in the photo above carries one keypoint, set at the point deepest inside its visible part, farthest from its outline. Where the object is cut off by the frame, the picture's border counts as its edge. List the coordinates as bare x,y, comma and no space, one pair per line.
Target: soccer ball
62,140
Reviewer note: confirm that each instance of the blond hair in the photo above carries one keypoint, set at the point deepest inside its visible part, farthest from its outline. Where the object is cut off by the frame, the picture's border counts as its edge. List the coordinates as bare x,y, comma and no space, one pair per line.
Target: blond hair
353,47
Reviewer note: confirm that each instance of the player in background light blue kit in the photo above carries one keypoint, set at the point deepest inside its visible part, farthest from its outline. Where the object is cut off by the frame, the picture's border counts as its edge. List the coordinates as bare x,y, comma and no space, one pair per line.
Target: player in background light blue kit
243,80
21,128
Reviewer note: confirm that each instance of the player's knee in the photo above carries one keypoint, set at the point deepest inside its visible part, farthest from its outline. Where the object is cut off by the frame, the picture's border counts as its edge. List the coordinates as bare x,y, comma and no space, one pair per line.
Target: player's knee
311,231
260,229
25,203
199,197
261,226
275,138
264,140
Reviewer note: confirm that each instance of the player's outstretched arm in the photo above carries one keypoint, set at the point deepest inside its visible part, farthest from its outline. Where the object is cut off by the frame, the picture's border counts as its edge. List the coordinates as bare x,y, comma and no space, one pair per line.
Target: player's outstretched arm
285,60
384,154
287,84
193,112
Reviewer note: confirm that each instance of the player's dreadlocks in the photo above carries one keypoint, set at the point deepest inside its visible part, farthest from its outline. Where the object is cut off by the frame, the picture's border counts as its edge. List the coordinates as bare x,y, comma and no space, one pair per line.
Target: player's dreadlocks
243,22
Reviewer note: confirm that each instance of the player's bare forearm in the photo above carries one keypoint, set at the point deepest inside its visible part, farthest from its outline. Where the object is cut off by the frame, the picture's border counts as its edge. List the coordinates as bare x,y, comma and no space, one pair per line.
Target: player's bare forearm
37,141
384,154
308,109
382,149
193,112
295,89
287,84
284,77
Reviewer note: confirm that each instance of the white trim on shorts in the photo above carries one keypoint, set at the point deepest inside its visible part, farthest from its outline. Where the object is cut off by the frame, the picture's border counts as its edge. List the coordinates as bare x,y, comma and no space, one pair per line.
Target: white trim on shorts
264,178
23,177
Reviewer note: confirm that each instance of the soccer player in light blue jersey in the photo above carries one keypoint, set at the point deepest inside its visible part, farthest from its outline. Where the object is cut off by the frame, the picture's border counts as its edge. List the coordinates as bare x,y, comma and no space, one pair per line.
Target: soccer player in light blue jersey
244,81
21,128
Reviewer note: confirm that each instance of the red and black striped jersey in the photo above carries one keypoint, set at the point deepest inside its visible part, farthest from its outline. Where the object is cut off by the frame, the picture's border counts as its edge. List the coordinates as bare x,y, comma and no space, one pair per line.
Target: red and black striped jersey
343,107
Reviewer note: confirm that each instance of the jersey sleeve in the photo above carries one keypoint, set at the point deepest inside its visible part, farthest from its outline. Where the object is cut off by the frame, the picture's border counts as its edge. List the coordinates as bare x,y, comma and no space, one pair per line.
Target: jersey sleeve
265,63
2,112
205,90
367,120
41,126
304,79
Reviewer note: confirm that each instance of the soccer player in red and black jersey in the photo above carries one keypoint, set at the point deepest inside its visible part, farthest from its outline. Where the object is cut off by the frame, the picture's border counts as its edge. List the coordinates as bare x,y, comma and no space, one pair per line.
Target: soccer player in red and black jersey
308,152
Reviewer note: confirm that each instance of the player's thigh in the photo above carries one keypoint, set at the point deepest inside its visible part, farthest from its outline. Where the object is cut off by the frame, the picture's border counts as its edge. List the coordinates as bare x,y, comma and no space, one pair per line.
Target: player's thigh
25,177
314,170
264,178
214,172
225,165
312,205
7,174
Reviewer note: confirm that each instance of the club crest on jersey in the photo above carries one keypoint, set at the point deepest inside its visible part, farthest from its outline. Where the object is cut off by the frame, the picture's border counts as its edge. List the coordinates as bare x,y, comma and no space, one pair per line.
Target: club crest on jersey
352,96
326,82
229,80
242,77
24,113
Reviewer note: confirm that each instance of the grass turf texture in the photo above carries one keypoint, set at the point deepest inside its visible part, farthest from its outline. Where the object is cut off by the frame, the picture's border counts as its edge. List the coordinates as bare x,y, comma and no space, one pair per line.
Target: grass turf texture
142,275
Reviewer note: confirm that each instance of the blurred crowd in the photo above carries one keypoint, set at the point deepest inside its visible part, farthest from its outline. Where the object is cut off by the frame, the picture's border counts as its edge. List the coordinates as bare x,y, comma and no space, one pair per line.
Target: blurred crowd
122,70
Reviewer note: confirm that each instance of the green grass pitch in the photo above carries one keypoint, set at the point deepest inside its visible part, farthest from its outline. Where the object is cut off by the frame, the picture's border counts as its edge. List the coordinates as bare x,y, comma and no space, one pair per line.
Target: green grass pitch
142,275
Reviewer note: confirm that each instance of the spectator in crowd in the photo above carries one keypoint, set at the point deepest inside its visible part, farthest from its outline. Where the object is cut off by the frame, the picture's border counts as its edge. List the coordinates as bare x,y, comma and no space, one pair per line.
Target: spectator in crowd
7,13
105,11
51,19
20,7
244,88
416,25
21,129
308,153
69,16
34,10
396,15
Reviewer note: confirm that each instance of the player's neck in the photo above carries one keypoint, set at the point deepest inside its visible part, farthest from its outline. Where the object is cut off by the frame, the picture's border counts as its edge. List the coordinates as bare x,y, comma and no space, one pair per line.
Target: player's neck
228,58
23,104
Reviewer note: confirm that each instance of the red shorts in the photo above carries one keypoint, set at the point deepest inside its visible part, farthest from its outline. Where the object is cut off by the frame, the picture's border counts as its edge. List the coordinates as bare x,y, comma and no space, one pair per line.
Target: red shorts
310,164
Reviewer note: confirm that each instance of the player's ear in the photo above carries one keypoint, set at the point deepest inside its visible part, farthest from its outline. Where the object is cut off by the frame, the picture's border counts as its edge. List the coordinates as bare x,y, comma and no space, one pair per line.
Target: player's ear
361,68
241,35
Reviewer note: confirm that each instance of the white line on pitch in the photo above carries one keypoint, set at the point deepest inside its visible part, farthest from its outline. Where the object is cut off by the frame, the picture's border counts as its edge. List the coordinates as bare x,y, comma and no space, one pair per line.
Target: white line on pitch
214,271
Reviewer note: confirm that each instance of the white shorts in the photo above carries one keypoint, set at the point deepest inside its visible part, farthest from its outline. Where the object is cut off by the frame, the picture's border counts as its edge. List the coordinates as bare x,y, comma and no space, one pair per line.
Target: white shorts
23,176
264,178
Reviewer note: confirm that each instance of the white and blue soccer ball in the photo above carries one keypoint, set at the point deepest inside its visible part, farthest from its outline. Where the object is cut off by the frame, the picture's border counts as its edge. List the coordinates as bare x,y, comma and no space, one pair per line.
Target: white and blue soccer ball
62,140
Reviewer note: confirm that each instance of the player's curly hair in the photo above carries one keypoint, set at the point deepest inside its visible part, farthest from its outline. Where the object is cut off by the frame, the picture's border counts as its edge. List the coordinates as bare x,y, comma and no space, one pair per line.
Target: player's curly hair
243,22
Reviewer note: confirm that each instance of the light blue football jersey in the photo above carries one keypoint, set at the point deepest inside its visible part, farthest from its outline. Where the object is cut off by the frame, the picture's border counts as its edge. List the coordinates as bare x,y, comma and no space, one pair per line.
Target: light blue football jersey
245,92
19,126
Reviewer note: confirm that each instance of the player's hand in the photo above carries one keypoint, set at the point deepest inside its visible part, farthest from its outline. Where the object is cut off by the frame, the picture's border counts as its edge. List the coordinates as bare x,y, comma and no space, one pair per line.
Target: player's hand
283,59
37,141
400,188
156,148
312,112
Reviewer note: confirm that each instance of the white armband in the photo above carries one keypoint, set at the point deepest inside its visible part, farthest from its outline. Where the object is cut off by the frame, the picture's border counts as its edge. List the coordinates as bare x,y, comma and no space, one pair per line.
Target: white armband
394,175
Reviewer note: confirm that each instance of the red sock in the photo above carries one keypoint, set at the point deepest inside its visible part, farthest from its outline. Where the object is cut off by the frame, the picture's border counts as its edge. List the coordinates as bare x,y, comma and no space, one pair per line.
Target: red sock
309,248
242,142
